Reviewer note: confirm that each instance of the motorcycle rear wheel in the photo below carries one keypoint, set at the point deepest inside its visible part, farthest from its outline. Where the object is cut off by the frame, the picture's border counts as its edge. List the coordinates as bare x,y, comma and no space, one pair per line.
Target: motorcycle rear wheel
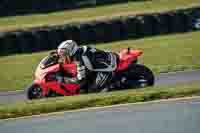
139,76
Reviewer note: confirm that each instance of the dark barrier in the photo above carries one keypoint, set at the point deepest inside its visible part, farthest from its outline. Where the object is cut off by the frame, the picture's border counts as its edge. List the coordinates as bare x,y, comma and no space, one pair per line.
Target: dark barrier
55,36
175,22
87,33
117,30
27,42
161,25
131,27
195,19
42,35
101,31
144,25
130,24
9,44
72,32
17,7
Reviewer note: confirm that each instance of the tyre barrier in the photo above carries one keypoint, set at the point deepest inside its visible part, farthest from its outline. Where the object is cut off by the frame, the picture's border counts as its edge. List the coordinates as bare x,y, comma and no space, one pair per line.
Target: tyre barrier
72,32
55,36
118,29
87,33
101,31
176,22
161,25
130,27
144,26
195,19
9,43
27,42
43,42
130,24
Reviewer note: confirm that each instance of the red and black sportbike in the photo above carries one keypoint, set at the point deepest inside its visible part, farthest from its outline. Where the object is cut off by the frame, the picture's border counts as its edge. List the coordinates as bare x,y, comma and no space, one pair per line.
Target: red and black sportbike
127,74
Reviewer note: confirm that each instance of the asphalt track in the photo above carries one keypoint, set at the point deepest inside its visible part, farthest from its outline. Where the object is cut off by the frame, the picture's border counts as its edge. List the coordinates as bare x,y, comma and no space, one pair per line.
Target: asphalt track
182,116
161,80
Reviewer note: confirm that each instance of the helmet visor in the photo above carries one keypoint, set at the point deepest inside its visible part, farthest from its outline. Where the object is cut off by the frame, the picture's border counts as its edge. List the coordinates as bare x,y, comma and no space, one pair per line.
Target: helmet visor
61,52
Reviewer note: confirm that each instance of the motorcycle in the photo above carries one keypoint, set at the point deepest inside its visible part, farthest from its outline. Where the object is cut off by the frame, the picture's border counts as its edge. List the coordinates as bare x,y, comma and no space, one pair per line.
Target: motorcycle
127,74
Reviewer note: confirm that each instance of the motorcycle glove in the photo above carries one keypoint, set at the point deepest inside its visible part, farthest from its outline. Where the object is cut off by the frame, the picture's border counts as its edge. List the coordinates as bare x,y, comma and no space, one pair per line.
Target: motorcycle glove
81,72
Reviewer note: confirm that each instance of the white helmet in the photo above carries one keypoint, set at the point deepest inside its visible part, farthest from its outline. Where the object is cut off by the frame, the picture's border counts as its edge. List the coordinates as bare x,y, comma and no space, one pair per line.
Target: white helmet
67,48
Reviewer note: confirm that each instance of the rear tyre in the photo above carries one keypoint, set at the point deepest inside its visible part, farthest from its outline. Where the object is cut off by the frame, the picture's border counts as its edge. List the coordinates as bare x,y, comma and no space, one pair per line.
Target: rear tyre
139,76
34,92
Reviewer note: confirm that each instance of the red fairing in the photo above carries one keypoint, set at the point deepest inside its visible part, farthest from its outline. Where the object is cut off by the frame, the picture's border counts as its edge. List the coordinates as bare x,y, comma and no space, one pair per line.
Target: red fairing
64,89
70,68
126,57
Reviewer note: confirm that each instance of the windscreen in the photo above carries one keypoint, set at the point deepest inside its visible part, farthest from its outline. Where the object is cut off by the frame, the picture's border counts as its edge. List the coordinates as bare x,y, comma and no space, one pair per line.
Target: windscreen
49,61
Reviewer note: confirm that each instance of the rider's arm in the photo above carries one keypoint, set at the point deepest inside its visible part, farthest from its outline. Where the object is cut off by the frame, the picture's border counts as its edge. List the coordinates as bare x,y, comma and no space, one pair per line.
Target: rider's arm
80,67
72,76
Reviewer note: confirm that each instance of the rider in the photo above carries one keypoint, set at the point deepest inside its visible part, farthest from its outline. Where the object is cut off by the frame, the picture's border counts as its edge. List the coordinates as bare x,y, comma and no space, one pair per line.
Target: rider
90,61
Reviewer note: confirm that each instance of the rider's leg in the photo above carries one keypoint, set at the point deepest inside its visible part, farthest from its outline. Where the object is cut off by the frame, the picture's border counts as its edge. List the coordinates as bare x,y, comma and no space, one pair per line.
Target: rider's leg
102,79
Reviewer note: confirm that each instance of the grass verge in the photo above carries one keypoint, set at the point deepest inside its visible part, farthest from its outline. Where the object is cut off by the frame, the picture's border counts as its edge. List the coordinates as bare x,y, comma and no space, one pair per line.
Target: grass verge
95,100
101,12
162,54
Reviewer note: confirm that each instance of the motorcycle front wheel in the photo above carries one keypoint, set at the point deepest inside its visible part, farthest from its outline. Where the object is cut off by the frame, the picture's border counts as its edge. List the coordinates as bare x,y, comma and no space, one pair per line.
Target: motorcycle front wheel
34,92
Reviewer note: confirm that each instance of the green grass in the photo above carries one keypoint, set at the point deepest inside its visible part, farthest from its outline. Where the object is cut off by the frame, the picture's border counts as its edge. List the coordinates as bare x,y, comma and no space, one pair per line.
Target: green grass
162,54
101,12
94,100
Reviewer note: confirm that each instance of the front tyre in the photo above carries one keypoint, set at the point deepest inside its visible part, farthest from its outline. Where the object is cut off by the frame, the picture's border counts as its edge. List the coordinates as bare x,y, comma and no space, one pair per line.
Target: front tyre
34,92
140,76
